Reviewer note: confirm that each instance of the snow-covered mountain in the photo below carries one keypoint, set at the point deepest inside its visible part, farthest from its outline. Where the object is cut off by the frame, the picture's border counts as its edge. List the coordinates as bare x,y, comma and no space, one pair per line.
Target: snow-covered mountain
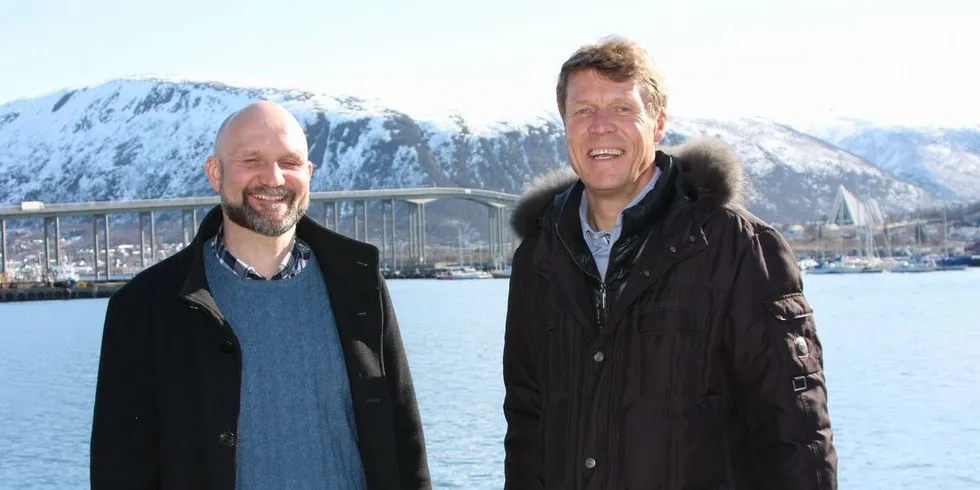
148,138
945,161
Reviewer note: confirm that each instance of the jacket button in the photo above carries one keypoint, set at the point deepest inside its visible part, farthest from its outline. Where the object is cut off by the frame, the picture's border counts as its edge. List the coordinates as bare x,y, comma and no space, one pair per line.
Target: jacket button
227,439
589,463
690,238
227,346
673,249
599,356
646,272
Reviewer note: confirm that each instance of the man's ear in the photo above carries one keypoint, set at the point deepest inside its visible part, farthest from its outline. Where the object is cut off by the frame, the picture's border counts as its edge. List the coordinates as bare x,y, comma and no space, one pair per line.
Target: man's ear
661,125
212,168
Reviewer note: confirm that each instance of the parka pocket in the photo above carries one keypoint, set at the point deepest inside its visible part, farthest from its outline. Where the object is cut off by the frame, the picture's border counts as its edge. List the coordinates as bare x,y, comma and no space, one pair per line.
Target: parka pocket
670,348
798,334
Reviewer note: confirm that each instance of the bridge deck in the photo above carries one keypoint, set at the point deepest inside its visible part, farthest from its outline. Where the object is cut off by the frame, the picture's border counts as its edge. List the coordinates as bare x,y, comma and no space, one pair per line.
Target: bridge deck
490,198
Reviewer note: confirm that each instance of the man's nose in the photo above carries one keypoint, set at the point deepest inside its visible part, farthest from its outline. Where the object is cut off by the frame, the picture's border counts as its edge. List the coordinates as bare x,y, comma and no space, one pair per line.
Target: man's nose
602,123
273,175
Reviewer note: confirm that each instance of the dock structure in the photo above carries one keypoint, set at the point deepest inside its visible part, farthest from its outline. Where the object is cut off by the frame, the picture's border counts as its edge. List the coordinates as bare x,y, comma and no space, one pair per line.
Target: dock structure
325,207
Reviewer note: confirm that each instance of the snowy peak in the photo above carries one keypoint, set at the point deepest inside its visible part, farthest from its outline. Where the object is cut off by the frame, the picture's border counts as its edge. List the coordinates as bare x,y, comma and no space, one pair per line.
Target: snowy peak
148,138
944,161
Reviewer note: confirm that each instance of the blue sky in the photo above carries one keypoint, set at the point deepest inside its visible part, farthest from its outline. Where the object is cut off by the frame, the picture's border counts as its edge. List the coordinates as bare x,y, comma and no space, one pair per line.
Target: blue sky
891,60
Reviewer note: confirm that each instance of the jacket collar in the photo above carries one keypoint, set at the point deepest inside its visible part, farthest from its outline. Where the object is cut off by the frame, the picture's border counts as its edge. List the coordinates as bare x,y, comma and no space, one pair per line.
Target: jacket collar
671,213
341,259
635,218
709,171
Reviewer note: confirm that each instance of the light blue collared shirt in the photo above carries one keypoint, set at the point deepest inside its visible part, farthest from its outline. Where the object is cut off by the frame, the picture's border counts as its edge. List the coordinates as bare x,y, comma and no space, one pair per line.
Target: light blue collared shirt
601,242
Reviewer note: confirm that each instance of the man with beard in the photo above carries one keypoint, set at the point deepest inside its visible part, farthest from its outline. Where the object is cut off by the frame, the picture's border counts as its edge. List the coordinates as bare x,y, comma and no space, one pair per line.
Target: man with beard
266,354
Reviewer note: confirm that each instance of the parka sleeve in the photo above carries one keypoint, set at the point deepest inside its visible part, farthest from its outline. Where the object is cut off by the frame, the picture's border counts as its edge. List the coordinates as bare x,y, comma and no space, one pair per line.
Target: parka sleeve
124,445
522,399
778,377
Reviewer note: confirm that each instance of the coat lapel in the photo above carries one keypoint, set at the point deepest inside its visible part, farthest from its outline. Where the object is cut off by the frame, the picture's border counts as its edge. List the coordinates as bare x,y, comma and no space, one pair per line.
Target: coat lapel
195,289
350,269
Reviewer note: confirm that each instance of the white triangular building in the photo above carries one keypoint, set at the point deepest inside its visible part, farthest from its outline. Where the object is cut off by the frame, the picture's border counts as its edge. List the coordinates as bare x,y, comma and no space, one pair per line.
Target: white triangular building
849,211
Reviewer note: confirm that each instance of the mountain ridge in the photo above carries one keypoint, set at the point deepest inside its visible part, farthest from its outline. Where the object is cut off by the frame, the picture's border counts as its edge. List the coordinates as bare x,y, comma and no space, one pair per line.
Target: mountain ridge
148,137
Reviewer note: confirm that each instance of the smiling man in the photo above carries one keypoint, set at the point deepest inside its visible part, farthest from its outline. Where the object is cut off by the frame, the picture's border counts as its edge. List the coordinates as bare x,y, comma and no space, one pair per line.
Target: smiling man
657,335
266,354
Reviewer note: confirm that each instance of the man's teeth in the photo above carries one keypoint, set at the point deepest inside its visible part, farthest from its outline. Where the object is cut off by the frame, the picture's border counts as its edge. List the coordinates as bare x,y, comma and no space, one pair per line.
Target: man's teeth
605,152
268,198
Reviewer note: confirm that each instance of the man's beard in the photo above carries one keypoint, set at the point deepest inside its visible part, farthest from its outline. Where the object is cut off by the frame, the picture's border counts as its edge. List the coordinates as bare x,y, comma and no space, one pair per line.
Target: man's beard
248,217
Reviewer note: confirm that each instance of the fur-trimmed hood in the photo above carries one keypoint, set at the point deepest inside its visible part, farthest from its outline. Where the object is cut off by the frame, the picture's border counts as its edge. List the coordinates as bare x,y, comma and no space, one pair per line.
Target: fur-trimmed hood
709,166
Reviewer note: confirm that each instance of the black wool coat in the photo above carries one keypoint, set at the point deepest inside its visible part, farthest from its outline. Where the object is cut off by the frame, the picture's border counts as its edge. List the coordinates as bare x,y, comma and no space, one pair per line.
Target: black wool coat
167,396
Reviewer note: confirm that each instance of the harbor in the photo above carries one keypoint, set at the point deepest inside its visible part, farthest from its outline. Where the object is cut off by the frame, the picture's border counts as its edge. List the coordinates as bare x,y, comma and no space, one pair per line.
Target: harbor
12,293
71,256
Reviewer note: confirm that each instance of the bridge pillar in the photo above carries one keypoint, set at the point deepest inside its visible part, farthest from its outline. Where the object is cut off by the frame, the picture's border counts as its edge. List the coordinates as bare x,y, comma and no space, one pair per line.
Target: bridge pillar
46,269
491,233
416,233
394,243
509,232
417,238
357,223
191,230
495,232
57,241
183,228
411,234
105,222
194,223
3,246
143,240
503,233
384,235
364,208
153,237
336,216
95,246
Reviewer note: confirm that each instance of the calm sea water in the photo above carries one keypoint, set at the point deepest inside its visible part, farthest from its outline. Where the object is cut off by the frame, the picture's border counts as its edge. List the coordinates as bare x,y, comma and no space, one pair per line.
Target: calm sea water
901,355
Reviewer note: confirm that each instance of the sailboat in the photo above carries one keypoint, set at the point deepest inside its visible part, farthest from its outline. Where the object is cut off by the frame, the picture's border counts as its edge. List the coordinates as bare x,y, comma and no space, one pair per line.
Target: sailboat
951,262
501,273
462,271
918,263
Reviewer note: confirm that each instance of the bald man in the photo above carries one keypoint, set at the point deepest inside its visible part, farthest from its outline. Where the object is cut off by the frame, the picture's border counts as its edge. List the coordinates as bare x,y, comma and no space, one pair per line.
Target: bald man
266,353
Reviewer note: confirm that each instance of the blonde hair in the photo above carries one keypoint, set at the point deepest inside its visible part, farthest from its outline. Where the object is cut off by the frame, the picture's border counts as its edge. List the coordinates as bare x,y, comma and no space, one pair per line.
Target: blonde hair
619,60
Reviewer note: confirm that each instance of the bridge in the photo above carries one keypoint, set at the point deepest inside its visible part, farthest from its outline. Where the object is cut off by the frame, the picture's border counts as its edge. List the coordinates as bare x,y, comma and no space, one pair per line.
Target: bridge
327,203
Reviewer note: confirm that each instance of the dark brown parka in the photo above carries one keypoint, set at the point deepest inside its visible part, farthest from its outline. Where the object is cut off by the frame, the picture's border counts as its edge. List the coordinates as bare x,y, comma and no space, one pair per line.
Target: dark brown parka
693,364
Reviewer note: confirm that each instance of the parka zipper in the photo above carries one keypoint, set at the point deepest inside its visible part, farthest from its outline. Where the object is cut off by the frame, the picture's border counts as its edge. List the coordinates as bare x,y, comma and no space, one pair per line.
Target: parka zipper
602,283
602,292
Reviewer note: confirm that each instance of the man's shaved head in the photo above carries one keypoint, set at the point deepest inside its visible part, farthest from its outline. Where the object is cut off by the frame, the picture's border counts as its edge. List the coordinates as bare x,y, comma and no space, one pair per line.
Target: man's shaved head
261,168
272,114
